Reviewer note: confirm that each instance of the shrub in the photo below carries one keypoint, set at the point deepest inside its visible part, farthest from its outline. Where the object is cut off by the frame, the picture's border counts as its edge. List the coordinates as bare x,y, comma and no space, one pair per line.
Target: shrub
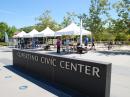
3,44
121,37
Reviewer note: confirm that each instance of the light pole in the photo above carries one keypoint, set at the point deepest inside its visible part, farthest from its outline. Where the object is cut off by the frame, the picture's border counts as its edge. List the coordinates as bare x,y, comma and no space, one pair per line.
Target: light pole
81,32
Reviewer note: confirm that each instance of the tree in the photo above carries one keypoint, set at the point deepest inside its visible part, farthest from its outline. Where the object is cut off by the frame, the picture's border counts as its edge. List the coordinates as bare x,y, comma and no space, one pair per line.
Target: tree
11,30
94,21
123,11
45,20
68,18
3,28
121,37
27,29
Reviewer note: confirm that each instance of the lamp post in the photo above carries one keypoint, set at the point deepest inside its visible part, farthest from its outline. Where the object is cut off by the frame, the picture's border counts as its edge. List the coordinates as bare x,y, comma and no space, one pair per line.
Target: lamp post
80,31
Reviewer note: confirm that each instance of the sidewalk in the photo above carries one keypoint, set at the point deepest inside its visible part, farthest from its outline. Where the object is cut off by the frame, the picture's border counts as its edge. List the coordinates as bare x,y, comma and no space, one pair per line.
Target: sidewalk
123,48
14,85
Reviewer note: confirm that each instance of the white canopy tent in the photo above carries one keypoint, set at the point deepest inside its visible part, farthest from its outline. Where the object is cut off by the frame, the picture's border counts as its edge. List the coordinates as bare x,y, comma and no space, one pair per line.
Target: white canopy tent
72,29
46,33
31,34
20,35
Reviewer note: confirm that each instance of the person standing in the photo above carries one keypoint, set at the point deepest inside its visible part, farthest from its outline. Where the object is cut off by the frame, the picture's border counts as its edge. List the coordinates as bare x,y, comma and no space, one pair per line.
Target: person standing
93,44
22,43
58,43
86,41
110,45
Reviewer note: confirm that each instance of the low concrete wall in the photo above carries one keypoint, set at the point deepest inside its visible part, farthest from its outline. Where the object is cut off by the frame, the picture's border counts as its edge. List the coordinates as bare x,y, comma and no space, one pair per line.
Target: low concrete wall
91,78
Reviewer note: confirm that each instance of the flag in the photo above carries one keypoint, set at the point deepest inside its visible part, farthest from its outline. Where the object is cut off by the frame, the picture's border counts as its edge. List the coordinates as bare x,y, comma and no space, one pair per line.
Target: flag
6,37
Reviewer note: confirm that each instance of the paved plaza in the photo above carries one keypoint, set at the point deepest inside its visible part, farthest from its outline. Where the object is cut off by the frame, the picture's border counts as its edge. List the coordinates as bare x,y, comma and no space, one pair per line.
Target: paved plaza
14,85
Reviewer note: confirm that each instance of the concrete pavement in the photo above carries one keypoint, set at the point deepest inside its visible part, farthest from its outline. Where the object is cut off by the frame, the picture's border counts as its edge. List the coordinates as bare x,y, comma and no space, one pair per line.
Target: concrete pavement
14,85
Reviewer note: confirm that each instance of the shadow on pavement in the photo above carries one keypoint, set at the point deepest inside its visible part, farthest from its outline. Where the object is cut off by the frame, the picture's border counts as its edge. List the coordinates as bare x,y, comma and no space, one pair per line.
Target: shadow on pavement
54,88
115,52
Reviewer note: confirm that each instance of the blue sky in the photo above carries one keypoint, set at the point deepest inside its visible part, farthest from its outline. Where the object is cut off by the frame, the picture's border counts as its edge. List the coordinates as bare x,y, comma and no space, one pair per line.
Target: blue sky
22,13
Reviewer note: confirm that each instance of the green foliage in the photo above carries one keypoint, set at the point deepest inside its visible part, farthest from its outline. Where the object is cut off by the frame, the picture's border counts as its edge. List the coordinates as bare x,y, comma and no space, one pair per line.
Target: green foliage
11,30
3,28
97,10
107,36
68,18
109,29
27,29
45,20
3,44
122,8
128,37
121,37
119,26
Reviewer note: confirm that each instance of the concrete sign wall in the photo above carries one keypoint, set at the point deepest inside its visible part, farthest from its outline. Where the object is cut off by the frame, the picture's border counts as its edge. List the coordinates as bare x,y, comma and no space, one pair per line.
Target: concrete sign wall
88,77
